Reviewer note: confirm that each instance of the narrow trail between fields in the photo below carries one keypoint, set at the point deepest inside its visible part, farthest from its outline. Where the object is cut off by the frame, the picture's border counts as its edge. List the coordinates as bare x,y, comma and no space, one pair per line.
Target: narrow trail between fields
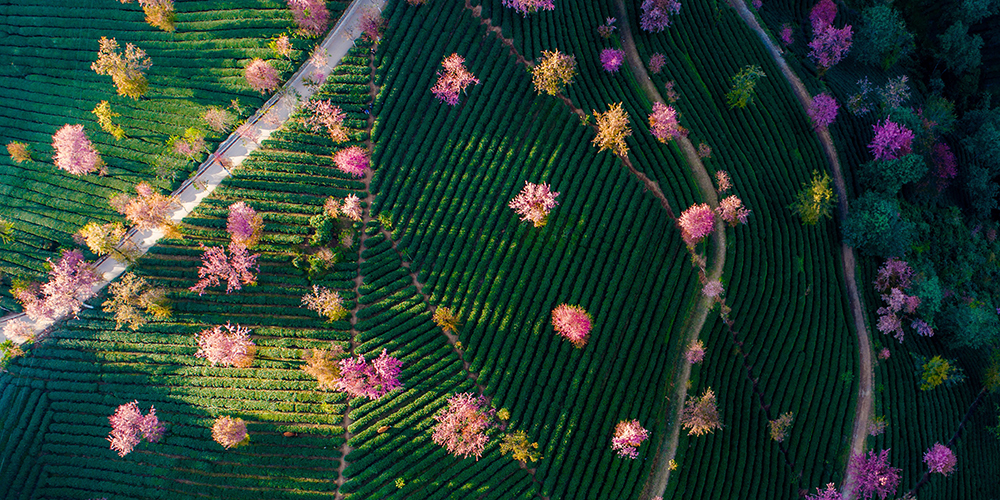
659,475
452,339
232,151
862,414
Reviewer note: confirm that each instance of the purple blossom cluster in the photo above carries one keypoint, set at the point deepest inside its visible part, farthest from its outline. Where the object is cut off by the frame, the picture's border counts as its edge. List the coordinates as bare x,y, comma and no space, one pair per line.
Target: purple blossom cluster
656,14
612,59
891,140
823,110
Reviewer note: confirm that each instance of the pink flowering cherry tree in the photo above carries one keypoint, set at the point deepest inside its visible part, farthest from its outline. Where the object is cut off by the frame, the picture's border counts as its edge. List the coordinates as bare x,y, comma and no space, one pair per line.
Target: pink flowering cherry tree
353,160
612,59
572,323
453,79
227,345
463,426
229,432
324,114
656,14
244,225
71,281
663,123
627,438
369,379
695,352
891,140
129,427
525,7
74,151
261,76
940,459
534,203
311,16
823,110
732,211
873,475
147,210
786,36
697,222
235,270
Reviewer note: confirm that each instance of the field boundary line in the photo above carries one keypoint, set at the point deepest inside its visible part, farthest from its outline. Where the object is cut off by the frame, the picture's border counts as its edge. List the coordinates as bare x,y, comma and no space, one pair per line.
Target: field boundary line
235,148
659,476
862,414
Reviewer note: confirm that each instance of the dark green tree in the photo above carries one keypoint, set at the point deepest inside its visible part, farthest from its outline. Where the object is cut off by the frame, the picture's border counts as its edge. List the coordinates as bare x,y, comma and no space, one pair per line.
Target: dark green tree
875,226
959,50
883,38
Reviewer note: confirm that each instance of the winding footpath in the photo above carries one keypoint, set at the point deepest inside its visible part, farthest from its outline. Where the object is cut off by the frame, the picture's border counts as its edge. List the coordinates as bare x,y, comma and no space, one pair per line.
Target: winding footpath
862,414
232,151
659,475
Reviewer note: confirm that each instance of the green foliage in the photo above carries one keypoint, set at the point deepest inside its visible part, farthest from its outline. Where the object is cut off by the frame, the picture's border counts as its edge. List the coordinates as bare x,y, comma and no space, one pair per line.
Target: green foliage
974,325
981,128
959,50
816,199
937,371
982,190
883,38
888,176
324,226
930,293
744,84
875,226
975,10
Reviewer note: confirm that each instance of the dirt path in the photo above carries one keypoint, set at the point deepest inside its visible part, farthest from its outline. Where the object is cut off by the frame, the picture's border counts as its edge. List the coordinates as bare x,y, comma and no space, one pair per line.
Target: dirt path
659,475
233,150
862,414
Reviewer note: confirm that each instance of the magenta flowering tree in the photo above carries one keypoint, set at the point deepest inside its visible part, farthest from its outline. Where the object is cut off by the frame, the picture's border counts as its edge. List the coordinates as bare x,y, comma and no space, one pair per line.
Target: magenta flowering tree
697,222
663,123
235,270
129,427
823,110
572,323
786,36
74,151
893,278
891,140
656,14
612,59
534,203
526,7
369,379
873,475
732,211
940,459
627,438
656,63
607,29
712,289
311,16
261,76
830,493
71,281
822,15
453,79
829,46
353,160
227,345
244,225
462,427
